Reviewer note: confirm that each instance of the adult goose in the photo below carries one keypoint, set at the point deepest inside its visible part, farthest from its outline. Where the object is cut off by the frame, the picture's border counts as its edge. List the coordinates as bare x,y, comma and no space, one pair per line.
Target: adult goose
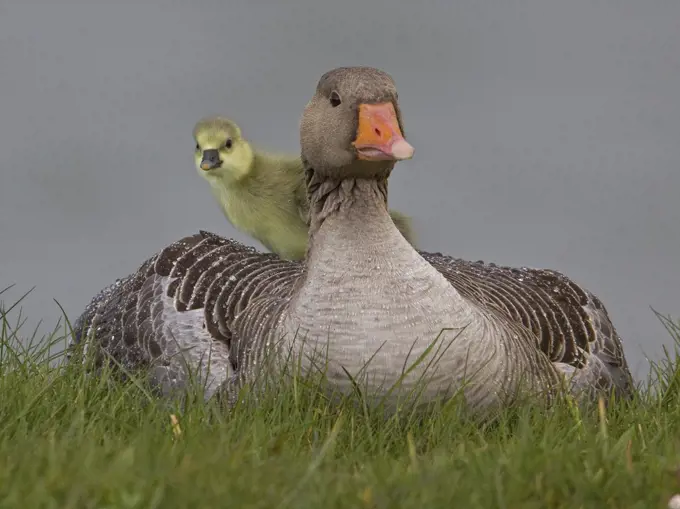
363,296
261,193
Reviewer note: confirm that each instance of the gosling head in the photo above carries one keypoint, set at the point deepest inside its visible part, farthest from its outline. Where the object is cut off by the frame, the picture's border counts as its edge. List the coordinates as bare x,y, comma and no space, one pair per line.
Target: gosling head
221,152
352,127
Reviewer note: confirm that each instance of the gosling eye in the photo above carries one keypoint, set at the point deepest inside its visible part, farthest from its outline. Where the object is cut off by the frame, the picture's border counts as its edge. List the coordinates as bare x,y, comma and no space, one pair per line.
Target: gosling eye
228,143
198,147
335,99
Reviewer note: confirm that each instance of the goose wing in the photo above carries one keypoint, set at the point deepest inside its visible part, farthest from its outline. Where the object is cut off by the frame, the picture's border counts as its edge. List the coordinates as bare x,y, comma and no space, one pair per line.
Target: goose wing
183,312
570,324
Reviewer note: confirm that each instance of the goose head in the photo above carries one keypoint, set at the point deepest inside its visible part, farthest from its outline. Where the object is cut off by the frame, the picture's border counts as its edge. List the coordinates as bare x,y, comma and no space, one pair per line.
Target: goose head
221,152
352,126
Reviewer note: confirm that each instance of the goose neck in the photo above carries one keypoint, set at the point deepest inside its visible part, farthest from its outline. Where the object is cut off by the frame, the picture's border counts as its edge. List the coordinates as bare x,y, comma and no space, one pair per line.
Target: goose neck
359,202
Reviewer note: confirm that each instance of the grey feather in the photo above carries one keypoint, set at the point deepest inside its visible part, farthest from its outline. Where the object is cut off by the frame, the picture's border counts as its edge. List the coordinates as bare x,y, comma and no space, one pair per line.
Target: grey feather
209,297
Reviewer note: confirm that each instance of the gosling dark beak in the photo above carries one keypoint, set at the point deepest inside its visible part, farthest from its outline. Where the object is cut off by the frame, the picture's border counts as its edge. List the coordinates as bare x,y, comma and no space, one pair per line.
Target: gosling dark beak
379,137
211,160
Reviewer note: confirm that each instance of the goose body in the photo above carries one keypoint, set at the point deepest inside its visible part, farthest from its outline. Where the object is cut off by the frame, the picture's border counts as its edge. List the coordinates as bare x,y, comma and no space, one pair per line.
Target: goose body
261,193
363,296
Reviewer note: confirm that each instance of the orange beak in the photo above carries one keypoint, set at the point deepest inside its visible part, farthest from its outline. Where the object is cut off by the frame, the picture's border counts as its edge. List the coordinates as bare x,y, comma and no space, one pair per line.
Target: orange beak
379,137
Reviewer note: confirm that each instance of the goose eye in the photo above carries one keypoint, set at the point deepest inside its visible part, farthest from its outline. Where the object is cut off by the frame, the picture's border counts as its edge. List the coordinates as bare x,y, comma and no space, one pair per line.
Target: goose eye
335,99
228,143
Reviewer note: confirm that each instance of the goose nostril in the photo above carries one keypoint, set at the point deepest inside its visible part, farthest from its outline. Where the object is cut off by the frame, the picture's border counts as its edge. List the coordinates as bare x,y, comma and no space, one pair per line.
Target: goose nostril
377,131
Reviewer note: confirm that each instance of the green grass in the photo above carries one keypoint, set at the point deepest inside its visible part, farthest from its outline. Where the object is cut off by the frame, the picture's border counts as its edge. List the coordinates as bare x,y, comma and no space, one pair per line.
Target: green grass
68,440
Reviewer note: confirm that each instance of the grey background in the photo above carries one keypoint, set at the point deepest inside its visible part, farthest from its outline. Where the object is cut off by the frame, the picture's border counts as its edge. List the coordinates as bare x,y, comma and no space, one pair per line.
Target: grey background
547,133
